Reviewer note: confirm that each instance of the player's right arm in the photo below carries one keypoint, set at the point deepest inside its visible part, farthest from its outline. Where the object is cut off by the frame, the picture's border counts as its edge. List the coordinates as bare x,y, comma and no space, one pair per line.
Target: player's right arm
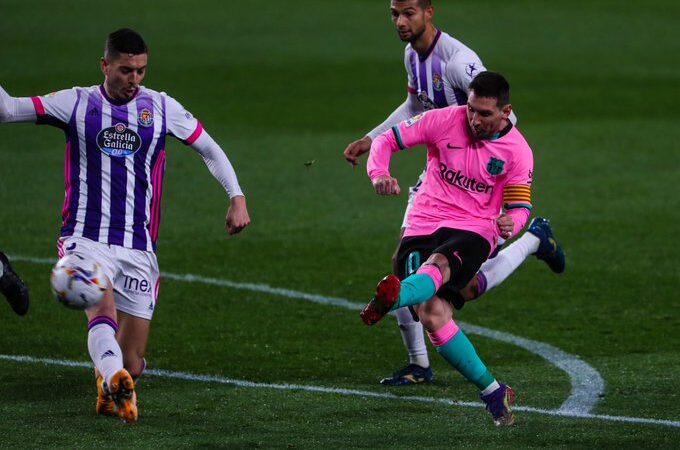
16,109
53,109
409,133
409,108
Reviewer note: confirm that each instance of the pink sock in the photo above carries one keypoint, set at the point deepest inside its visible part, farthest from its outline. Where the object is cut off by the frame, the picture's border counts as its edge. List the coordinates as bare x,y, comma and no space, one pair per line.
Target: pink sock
433,272
444,334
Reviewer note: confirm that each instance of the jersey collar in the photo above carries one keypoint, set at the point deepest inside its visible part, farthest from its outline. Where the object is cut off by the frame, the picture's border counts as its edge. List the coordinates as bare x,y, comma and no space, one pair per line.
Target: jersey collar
431,48
113,101
500,134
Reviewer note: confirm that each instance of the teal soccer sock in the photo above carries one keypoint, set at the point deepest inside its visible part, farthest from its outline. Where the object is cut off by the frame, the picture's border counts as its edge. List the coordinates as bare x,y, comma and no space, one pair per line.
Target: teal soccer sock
452,344
419,287
415,289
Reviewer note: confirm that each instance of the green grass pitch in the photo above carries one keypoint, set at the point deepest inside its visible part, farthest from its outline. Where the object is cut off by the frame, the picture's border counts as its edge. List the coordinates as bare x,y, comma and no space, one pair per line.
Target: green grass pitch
278,84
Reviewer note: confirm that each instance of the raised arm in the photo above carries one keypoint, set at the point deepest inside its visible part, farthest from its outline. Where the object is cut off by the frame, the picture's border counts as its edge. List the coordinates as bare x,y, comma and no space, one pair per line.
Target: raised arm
16,109
378,164
409,133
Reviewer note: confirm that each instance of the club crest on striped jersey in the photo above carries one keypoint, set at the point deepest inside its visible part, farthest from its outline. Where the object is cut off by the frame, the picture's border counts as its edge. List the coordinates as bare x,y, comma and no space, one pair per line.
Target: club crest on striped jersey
145,118
118,141
495,166
437,84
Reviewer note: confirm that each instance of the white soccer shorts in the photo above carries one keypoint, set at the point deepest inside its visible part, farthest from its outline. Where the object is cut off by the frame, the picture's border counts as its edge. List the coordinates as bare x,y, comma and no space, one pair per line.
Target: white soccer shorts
134,273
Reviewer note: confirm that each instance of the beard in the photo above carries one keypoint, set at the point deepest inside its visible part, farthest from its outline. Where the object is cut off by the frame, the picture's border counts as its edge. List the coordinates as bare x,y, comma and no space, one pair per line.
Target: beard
412,36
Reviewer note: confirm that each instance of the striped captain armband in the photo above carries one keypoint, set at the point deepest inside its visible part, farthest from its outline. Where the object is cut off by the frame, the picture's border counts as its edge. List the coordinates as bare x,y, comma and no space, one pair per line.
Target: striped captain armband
517,196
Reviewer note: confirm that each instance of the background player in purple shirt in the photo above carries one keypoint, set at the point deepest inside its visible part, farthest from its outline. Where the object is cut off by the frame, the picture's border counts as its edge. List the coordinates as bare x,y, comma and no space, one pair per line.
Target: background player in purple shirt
440,69
114,166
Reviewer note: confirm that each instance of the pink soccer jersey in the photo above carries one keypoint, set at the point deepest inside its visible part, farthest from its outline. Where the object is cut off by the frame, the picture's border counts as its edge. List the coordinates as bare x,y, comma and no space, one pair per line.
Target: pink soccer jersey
467,180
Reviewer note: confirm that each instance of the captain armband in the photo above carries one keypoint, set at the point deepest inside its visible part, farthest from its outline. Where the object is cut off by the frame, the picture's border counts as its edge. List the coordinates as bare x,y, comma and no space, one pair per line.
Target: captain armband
517,196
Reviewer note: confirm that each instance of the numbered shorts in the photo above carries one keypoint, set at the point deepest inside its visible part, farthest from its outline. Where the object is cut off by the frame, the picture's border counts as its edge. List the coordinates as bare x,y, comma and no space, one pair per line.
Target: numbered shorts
133,273
464,250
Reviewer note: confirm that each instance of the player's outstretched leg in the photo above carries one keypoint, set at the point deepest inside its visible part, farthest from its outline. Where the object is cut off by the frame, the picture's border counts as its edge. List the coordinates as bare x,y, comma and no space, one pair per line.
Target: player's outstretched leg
548,248
498,404
13,287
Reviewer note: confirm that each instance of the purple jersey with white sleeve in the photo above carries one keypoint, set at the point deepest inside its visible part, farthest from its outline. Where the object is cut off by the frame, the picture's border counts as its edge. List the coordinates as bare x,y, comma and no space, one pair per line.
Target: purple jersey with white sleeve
114,160
441,76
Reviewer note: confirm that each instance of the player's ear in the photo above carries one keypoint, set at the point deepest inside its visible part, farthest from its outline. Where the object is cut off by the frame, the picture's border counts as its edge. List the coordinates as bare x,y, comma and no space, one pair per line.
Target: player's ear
506,110
429,12
103,65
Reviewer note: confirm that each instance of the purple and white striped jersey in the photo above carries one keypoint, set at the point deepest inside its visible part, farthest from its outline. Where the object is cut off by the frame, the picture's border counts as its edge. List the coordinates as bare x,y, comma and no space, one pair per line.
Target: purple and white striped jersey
114,160
441,77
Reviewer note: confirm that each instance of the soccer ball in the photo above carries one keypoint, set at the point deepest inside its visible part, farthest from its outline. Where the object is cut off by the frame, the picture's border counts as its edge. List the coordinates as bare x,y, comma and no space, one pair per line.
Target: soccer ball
78,282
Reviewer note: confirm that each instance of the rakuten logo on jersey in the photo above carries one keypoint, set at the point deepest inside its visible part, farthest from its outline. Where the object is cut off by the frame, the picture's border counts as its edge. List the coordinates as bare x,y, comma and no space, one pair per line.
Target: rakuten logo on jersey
119,141
458,179
139,287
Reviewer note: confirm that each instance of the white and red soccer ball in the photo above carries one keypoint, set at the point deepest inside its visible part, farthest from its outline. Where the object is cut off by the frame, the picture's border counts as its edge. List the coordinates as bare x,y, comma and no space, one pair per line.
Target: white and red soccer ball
78,282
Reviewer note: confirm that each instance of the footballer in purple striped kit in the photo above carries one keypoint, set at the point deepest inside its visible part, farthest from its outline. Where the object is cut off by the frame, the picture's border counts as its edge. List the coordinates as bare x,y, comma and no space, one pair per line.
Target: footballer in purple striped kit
114,164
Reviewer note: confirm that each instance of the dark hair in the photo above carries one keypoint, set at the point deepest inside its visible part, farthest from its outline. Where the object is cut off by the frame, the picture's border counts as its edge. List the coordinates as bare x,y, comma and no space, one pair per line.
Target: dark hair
124,40
491,85
421,3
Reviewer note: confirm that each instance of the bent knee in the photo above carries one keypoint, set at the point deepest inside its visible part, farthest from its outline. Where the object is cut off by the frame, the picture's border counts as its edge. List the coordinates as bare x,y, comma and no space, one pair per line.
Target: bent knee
432,321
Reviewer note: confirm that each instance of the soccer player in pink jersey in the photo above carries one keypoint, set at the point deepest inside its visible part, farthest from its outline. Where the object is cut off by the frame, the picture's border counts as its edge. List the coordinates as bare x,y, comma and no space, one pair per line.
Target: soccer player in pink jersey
440,69
114,166
477,161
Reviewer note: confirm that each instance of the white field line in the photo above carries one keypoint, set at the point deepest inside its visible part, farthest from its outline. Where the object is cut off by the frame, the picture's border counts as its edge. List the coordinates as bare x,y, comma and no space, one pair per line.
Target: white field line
586,383
340,391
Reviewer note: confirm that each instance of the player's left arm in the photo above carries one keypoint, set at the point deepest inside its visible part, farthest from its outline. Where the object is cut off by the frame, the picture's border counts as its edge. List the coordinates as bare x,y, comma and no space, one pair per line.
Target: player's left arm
517,195
189,130
237,217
